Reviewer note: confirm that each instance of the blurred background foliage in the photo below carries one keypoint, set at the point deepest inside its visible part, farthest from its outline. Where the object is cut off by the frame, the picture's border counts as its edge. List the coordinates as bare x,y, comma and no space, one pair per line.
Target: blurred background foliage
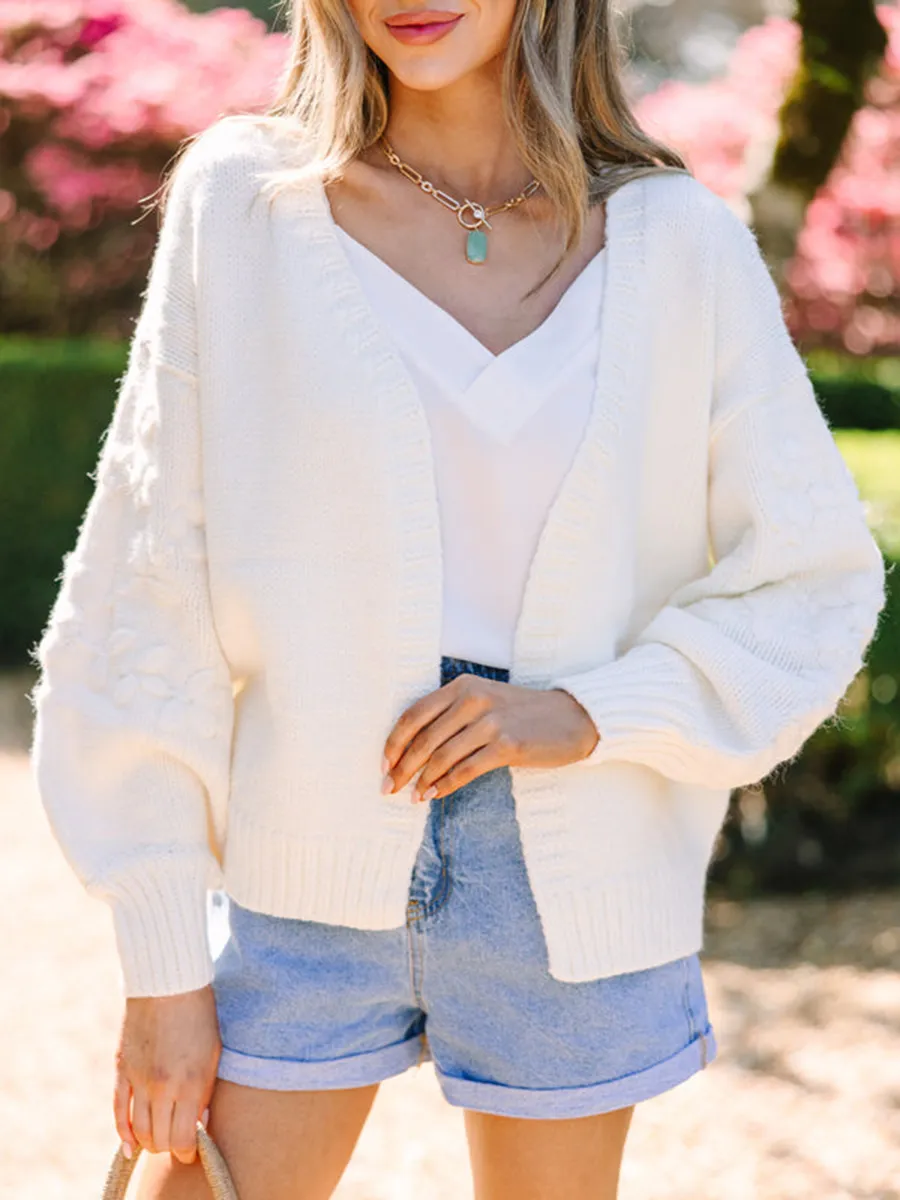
267,10
790,111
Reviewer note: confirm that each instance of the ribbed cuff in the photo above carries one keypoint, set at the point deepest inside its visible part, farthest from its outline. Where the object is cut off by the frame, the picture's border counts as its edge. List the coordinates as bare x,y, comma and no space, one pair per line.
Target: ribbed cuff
634,713
160,920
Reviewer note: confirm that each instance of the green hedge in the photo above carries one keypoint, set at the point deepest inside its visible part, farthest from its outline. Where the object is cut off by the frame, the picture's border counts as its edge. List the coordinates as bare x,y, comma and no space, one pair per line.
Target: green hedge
857,393
270,11
56,401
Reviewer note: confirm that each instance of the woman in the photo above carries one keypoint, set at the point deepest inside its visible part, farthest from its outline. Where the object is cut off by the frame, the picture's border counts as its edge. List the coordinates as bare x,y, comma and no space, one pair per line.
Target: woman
465,532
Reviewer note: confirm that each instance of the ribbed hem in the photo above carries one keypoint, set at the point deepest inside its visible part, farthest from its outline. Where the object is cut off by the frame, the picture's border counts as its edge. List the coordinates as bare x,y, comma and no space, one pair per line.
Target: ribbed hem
160,922
361,880
632,924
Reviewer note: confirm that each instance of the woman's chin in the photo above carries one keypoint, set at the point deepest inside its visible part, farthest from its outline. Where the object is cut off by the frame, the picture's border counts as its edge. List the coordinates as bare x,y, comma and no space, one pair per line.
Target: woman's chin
426,73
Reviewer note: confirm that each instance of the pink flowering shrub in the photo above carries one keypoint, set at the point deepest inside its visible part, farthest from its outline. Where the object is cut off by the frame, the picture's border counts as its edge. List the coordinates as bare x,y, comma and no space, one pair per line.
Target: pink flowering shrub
95,96
844,279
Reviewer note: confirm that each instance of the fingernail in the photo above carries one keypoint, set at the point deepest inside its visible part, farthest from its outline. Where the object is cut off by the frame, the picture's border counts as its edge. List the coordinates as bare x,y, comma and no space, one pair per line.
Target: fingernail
205,1117
385,765
431,793
387,784
126,1150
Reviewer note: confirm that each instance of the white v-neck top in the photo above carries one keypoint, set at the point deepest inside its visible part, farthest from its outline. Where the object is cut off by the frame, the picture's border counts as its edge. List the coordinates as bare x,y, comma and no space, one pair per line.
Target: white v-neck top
504,431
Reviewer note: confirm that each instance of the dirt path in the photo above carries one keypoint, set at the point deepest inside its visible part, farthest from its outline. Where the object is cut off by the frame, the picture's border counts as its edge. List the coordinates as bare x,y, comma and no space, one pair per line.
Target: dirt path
803,1102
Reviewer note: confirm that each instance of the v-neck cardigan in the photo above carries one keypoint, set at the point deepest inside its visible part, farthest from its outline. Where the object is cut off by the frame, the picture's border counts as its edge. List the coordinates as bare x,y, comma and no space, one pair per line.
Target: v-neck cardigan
254,596
503,430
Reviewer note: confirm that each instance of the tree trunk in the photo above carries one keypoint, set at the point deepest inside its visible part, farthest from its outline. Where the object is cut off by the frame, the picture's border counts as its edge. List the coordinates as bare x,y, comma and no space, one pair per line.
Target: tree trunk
843,43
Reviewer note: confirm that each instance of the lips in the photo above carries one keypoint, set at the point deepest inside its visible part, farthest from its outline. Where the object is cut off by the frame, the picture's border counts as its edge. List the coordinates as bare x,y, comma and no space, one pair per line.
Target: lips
422,27
422,18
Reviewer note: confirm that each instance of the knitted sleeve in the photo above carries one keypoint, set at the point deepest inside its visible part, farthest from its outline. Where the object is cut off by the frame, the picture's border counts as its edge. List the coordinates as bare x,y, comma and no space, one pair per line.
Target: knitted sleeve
133,704
739,667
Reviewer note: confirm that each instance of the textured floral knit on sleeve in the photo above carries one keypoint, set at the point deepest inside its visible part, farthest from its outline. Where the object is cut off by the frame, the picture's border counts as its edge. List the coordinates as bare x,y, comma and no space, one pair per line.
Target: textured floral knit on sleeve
736,671
134,699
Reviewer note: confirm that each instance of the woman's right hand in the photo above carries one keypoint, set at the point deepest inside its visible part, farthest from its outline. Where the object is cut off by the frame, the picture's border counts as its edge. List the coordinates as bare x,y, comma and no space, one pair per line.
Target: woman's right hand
166,1060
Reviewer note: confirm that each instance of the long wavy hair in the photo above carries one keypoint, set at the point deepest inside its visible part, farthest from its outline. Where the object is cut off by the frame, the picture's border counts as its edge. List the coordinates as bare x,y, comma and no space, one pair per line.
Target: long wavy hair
563,97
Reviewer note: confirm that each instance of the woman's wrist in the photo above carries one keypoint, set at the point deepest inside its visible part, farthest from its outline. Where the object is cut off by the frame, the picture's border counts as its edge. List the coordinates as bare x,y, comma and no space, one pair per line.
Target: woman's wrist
591,733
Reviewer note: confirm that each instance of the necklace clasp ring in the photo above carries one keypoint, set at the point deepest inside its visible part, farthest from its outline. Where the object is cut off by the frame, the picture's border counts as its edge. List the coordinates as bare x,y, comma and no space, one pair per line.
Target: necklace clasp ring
478,214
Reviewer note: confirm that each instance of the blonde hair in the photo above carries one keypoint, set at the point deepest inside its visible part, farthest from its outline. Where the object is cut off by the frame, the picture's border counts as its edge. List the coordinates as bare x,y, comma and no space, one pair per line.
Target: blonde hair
562,94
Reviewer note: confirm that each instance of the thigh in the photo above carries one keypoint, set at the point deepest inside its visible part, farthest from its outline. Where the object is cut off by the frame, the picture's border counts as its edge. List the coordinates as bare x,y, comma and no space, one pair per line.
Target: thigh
279,1145
515,1158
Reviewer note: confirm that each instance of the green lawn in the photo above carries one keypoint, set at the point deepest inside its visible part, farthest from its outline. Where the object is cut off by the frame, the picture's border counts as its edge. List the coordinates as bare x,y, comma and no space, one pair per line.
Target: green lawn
874,459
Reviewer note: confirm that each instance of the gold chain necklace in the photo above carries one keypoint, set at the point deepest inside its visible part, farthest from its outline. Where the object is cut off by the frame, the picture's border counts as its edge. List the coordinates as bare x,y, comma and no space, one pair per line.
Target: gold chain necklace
470,215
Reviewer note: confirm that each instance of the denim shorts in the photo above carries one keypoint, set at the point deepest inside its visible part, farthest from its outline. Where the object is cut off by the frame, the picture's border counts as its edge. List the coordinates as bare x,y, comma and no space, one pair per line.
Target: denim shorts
463,984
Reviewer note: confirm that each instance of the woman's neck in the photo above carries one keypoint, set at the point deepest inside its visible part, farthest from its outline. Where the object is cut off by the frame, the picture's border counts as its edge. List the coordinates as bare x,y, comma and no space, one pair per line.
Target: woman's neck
458,138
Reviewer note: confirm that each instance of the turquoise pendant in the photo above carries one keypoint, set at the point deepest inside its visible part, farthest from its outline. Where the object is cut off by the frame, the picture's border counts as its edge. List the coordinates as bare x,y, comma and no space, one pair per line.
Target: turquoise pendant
476,247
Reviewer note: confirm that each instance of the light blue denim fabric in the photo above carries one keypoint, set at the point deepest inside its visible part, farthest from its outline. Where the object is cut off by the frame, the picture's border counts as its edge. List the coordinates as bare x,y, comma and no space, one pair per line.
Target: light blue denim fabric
306,1005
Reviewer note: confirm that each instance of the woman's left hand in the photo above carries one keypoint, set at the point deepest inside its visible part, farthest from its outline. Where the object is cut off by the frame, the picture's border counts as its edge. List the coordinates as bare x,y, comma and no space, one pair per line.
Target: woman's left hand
472,725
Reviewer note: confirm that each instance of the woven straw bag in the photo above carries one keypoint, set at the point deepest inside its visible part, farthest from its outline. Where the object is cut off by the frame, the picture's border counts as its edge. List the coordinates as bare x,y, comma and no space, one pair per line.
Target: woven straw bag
217,1175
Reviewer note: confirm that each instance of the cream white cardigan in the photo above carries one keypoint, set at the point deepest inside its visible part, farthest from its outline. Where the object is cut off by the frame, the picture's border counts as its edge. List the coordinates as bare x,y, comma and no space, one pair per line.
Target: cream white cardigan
255,593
